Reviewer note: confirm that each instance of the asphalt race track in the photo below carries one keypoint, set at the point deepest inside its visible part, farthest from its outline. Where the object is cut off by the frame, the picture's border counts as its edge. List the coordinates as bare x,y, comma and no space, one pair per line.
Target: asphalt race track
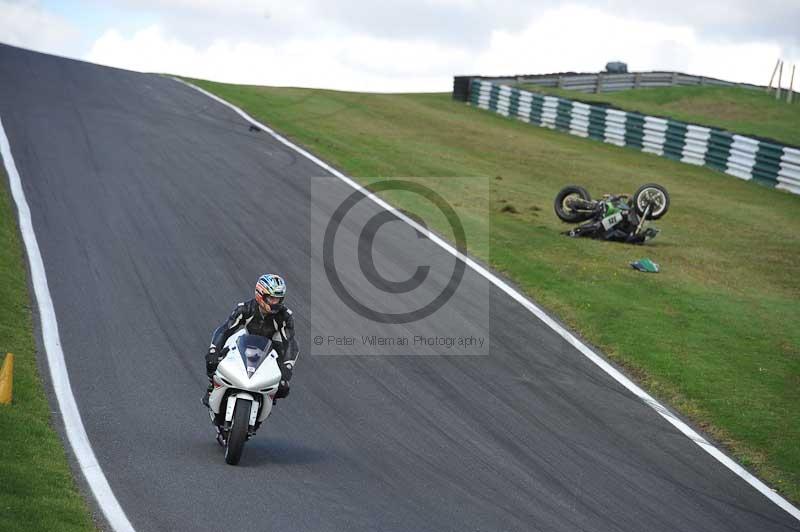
156,208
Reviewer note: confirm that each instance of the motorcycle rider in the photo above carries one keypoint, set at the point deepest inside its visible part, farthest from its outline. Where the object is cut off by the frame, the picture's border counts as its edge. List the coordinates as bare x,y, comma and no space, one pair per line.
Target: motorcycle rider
264,315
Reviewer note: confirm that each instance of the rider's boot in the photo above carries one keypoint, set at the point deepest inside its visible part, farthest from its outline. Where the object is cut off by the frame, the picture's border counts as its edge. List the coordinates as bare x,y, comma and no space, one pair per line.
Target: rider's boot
206,395
283,391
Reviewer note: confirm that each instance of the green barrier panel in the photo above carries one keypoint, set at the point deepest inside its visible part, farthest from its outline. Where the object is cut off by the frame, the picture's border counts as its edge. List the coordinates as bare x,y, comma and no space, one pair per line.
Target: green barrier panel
563,114
634,130
514,105
597,133
535,114
537,98
493,96
768,162
675,140
461,88
719,149
597,123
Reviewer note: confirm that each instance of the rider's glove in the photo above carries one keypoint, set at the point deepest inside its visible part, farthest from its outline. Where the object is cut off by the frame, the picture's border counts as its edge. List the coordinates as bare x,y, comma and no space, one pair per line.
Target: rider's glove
283,390
286,372
212,361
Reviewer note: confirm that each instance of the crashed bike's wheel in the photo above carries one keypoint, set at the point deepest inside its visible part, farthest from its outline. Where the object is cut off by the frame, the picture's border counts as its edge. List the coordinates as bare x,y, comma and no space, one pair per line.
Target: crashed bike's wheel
237,434
654,195
564,212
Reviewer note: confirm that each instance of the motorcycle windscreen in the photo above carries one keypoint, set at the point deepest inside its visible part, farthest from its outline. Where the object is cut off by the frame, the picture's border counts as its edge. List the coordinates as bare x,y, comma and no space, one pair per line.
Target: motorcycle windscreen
254,350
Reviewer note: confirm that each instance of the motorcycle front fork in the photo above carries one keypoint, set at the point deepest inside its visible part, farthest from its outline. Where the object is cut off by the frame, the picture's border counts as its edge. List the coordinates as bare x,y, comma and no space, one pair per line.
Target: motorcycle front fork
223,431
642,219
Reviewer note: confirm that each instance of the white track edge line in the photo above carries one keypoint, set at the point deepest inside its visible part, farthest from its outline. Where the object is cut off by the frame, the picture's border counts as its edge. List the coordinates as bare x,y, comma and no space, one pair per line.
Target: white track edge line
536,311
73,425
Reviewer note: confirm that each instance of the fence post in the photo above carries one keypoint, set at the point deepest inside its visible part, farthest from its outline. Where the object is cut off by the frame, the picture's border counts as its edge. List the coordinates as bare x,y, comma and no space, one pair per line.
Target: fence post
791,87
560,83
599,84
674,78
780,75
637,80
702,80
772,78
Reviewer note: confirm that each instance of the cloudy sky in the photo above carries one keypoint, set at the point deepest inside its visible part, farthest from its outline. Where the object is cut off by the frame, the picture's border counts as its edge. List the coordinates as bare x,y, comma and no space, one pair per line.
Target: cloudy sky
412,45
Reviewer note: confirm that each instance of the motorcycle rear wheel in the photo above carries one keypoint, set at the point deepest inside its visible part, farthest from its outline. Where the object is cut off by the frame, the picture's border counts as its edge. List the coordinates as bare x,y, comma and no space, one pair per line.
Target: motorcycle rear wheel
566,214
237,435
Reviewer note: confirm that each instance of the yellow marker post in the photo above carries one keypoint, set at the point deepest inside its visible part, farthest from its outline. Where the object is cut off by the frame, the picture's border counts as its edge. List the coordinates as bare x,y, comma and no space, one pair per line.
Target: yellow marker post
7,379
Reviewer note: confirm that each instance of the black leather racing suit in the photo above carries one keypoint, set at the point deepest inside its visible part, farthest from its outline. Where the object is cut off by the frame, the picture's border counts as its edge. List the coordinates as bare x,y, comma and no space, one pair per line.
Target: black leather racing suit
279,327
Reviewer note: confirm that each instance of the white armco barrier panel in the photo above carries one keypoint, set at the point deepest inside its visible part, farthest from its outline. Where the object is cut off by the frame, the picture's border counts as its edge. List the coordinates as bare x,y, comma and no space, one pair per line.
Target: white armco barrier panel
789,173
694,151
654,135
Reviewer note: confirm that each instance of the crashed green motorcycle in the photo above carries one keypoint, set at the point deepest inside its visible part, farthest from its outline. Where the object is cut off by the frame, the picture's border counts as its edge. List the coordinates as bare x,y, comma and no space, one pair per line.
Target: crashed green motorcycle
620,217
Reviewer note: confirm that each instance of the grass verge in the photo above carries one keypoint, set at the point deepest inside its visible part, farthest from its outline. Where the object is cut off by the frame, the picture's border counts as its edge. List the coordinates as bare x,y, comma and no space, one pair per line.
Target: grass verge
37,491
716,334
743,111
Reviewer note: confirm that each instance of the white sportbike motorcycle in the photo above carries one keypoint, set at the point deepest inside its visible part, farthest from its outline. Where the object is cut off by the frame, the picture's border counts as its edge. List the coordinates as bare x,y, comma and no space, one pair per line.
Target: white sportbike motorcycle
244,387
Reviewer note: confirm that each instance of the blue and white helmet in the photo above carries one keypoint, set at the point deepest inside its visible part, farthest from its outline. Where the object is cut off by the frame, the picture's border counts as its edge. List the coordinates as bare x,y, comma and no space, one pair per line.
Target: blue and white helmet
270,292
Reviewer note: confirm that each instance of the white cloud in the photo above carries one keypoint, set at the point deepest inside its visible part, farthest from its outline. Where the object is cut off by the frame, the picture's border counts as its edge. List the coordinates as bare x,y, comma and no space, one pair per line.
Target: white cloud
575,38
728,20
567,38
350,63
27,24
469,23
240,7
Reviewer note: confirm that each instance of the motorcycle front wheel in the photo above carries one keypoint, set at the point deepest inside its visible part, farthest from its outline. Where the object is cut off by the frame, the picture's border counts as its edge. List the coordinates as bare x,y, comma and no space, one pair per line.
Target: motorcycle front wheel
654,195
563,211
237,434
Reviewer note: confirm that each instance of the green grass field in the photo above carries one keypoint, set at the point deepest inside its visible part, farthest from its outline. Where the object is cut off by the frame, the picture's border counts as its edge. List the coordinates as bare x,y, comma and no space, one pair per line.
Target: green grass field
37,491
716,334
743,111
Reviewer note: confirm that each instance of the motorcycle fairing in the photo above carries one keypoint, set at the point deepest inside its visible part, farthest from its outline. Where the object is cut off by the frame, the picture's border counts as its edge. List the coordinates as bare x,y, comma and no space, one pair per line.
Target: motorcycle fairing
233,375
